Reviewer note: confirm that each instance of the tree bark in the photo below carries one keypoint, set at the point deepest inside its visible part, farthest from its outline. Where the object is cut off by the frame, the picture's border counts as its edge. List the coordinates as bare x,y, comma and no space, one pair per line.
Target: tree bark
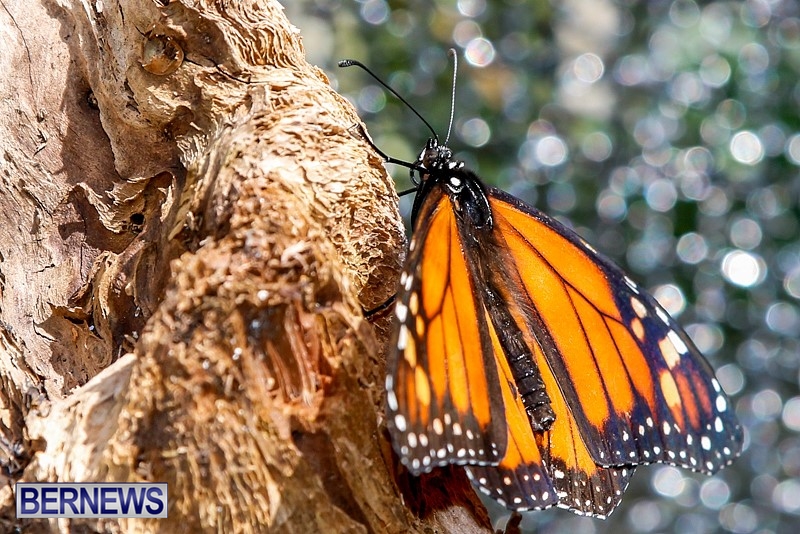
188,231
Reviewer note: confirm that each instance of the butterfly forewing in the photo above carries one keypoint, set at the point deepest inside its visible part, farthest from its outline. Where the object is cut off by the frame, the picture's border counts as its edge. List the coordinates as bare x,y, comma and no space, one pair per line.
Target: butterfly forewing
638,389
443,394
694,424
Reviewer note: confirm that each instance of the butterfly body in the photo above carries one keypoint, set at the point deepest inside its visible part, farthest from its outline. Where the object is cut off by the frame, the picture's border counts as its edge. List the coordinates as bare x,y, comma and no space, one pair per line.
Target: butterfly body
482,249
525,355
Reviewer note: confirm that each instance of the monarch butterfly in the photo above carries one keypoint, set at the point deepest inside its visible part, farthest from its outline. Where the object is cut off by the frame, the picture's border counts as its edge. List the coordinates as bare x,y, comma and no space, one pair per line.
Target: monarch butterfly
527,356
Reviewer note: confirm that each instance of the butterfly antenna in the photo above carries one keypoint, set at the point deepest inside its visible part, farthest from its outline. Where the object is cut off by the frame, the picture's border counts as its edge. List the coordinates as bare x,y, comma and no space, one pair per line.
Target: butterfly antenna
452,53
352,62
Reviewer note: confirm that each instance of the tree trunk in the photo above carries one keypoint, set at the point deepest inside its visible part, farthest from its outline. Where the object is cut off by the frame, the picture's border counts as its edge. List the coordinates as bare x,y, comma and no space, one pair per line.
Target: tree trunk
188,231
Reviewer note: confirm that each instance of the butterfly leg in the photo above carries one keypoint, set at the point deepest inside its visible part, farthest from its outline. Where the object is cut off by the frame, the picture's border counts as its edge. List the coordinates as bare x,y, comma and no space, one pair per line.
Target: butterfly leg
362,133
380,310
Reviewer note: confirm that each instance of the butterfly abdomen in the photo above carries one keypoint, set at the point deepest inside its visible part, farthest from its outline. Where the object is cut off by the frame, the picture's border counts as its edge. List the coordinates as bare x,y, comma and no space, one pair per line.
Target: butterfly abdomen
528,381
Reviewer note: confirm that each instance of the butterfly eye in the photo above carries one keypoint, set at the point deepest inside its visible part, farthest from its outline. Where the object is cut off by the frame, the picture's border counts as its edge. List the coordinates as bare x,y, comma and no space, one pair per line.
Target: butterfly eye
430,158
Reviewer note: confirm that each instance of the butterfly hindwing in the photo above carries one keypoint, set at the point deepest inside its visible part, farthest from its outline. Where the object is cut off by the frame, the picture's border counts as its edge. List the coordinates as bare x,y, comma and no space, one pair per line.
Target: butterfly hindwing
443,394
567,477
520,481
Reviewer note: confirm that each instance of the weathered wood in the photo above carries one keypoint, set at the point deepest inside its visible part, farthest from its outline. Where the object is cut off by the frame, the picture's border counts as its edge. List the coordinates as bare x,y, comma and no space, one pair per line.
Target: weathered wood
188,230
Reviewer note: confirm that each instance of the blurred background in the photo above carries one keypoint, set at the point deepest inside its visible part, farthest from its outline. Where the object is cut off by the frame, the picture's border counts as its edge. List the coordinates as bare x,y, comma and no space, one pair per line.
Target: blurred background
666,133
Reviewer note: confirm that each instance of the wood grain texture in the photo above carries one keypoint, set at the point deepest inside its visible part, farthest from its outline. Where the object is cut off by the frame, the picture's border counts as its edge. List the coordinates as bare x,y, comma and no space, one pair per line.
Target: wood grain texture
188,231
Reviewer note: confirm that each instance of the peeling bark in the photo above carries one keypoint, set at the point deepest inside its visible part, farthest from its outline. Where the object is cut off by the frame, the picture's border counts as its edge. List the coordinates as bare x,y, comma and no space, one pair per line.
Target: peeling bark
188,231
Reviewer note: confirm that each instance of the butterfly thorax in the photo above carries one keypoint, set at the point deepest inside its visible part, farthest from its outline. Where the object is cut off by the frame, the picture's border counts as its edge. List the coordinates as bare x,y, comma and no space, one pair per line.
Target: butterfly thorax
437,168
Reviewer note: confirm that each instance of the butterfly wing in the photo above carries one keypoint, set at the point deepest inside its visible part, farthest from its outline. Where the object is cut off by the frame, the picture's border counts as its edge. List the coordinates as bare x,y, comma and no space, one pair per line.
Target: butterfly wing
520,481
540,468
634,387
444,401
524,480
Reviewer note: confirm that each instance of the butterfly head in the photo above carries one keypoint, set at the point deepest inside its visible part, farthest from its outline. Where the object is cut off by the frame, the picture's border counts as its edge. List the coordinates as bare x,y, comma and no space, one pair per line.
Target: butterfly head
435,157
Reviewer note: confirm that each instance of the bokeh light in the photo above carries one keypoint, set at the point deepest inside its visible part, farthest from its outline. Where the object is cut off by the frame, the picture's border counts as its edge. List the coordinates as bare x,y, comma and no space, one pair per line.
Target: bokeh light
475,132
597,146
471,8
746,147
375,11
743,268
692,248
791,414
371,99
479,52
551,151
588,67
671,297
